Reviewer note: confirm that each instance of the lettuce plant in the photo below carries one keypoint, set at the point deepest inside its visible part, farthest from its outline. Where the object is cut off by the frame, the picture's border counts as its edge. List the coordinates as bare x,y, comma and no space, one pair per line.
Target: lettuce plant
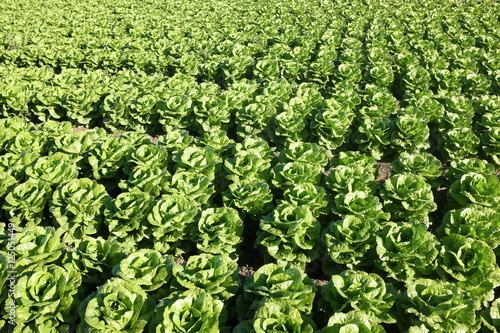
47,297
197,187
54,169
78,206
219,231
94,259
458,143
148,179
274,283
459,168
16,164
175,140
252,197
289,235
247,165
219,142
212,113
77,144
277,316
332,124
26,203
490,317
476,188
146,155
374,135
191,311
116,306
200,160
254,118
437,305
359,291
474,221
290,127
420,163
352,321
146,268
37,246
407,196
305,152
353,177
349,240
125,214
171,219
215,275
307,194
359,203
256,146
471,264
107,157
32,141
406,250
410,134
287,175
175,110
7,183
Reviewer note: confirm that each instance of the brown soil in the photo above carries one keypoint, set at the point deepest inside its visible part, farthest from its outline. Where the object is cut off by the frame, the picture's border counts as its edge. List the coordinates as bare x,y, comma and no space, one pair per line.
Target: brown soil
79,129
384,172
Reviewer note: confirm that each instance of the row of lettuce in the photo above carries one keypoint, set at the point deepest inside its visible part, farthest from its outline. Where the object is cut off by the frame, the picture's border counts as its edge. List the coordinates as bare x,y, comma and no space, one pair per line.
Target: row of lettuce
454,45
371,119
100,220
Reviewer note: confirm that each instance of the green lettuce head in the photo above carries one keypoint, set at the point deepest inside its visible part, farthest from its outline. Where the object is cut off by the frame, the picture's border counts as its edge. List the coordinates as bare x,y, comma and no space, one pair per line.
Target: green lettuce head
359,291
116,306
47,297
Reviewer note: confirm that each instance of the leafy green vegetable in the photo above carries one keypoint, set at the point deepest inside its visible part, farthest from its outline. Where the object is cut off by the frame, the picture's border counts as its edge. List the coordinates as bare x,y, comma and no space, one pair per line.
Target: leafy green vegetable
459,168
254,198
438,305
471,263
54,169
407,196
352,321
474,221
148,179
359,291
26,203
219,231
287,175
171,219
422,163
48,297
490,317
276,316
476,188
125,214
359,203
146,268
458,143
215,275
349,240
406,250
410,134
200,160
94,258
116,306
191,311
270,283
345,179
289,235
78,206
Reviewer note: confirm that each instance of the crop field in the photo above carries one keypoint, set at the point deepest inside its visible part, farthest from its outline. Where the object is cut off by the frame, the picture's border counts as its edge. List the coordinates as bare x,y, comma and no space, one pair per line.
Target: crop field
249,166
